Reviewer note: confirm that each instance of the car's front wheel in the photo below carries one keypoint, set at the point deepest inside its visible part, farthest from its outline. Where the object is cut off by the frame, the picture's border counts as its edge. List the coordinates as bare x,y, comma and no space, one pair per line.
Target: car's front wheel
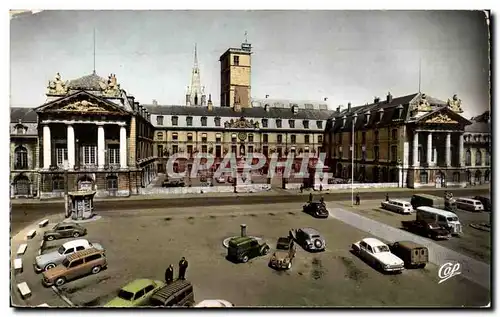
49,266
50,238
60,281
265,250
76,234
96,269
244,259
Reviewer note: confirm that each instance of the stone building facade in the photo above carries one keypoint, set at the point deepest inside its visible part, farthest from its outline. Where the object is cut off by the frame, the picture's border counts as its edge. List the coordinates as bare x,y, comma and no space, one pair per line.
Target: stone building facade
477,144
88,135
414,140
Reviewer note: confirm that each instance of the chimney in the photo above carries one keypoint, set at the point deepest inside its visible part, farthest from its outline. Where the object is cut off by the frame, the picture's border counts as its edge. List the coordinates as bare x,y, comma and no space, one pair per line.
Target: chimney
155,103
348,107
266,107
209,105
338,109
267,96
325,99
376,100
389,97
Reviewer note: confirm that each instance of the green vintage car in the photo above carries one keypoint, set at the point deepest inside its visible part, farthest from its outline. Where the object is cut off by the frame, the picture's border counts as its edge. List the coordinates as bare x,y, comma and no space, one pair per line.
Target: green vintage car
136,293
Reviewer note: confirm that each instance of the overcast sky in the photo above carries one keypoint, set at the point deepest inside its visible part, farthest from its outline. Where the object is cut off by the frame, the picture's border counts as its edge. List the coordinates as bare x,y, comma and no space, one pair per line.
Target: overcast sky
306,55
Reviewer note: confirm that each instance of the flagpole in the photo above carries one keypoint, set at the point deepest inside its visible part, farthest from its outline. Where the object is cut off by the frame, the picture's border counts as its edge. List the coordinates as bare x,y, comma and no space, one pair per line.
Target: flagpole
352,160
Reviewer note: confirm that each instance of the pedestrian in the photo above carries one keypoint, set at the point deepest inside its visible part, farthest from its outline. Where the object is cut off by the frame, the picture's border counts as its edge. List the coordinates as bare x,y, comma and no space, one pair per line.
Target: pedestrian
322,201
387,197
310,197
320,187
301,188
169,274
358,199
183,265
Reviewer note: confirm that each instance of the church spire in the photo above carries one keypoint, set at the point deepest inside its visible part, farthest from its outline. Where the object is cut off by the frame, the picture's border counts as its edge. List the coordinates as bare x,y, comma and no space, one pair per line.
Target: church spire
195,56
196,92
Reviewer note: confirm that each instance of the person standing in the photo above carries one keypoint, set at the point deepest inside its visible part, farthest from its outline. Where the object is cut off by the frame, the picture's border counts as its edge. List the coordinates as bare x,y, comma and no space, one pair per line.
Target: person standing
183,265
310,197
358,199
387,197
169,274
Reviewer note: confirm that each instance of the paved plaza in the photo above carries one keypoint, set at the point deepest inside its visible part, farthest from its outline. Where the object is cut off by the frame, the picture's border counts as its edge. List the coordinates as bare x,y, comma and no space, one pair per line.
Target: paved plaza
142,243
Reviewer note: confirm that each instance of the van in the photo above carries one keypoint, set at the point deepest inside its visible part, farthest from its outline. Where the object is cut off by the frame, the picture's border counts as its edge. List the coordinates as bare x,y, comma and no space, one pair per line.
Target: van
75,266
441,217
413,254
399,206
179,293
419,200
469,204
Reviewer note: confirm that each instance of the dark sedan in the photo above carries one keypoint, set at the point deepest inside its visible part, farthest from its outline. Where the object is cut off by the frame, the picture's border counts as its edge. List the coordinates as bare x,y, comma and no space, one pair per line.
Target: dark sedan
316,209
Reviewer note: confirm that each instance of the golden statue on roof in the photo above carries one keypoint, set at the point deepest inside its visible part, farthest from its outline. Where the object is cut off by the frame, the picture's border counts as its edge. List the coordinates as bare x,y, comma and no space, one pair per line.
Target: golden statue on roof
57,86
455,104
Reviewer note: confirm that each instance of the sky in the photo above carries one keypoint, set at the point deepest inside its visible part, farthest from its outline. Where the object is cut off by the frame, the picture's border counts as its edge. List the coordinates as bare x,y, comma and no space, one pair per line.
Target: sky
345,56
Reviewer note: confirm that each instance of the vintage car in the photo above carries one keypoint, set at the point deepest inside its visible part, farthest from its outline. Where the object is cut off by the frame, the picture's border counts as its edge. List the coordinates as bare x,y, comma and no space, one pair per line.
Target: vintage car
486,201
64,230
316,209
285,252
308,238
49,260
242,249
74,266
179,293
378,254
413,254
396,205
427,229
214,303
136,293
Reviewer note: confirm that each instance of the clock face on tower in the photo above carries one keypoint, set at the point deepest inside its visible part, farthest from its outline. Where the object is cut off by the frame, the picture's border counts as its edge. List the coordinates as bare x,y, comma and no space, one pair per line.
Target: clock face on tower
242,136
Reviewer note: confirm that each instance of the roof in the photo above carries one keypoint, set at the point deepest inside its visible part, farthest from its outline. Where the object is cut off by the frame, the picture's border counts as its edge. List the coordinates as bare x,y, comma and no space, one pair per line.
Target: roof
373,242
310,231
410,244
240,240
428,196
74,243
478,127
23,114
83,253
88,82
254,112
166,291
440,212
138,284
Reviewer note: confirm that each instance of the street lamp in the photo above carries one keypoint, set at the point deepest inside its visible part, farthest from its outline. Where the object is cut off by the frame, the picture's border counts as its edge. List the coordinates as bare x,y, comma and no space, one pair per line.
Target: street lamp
353,122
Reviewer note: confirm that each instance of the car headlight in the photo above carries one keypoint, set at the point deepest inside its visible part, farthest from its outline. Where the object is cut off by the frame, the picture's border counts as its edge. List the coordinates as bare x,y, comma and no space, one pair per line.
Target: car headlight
386,266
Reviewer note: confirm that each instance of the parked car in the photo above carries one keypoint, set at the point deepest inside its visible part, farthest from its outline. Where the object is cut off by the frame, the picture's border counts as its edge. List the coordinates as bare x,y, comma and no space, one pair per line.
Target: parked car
316,209
135,293
74,266
446,219
180,293
469,204
284,255
425,200
378,254
64,230
308,238
399,206
50,260
486,201
243,249
427,229
214,303
413,254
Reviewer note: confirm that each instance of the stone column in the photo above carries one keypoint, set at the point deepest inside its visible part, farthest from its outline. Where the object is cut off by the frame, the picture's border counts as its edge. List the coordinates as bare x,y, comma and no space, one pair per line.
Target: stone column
429,149
415,149
448,149
461,150
47,151
101,154
123,147
71,146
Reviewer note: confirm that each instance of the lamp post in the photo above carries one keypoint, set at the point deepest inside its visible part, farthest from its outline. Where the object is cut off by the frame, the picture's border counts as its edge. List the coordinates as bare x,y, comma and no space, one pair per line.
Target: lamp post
354,117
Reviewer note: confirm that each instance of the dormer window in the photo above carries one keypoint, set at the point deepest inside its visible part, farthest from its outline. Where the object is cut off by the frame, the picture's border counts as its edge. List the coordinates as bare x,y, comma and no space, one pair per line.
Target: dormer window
20,129
367,117
175,120
380,114
189,121
264,123
278,123
203,121
306,124
343,121
217,121
295,108
266,107
399,110
291,123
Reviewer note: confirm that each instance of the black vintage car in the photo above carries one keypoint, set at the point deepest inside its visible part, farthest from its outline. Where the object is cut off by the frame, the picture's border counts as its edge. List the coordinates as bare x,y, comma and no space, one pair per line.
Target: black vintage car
316,209
426,229
242,249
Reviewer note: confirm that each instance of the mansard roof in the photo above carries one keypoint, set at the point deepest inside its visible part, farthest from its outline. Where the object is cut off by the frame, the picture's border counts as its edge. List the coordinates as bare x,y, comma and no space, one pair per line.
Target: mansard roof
23,114
91,82
254,112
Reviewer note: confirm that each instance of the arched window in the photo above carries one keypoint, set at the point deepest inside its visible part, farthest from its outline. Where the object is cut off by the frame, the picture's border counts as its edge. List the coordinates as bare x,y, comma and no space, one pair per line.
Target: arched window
57,183
424,178
468,158
112,182
21,157
479,157
22,185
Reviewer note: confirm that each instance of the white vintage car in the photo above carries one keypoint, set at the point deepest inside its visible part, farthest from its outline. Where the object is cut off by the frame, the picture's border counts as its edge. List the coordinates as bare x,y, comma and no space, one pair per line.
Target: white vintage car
378,254
396,205
215,303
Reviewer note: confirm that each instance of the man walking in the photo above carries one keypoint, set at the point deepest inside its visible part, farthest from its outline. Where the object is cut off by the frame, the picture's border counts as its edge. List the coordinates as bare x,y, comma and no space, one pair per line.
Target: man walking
169,274
183,264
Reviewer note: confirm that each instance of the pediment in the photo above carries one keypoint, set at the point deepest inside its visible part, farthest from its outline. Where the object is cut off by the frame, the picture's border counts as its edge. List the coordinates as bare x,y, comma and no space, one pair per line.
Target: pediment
81,102
443,116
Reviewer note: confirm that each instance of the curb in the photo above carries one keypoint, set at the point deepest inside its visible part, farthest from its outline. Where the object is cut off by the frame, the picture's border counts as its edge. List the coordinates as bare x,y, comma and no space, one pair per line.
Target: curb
64,298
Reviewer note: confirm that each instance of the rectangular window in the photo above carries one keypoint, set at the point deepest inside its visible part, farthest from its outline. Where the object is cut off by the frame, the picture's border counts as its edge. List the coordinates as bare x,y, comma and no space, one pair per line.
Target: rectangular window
189,121
203,121
278,123
306,124
190,137
160,150
394,153
112,183
293,138
250,149
236,60
265,138
264,123
175,137
233,138
319,124
233,149
306,139
190,149
159,120
61,155
250,138
291,123
89,154
376,153
218,138
320,139
175,120
203,149
175,148
280,138
204,138
217,122
114,154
